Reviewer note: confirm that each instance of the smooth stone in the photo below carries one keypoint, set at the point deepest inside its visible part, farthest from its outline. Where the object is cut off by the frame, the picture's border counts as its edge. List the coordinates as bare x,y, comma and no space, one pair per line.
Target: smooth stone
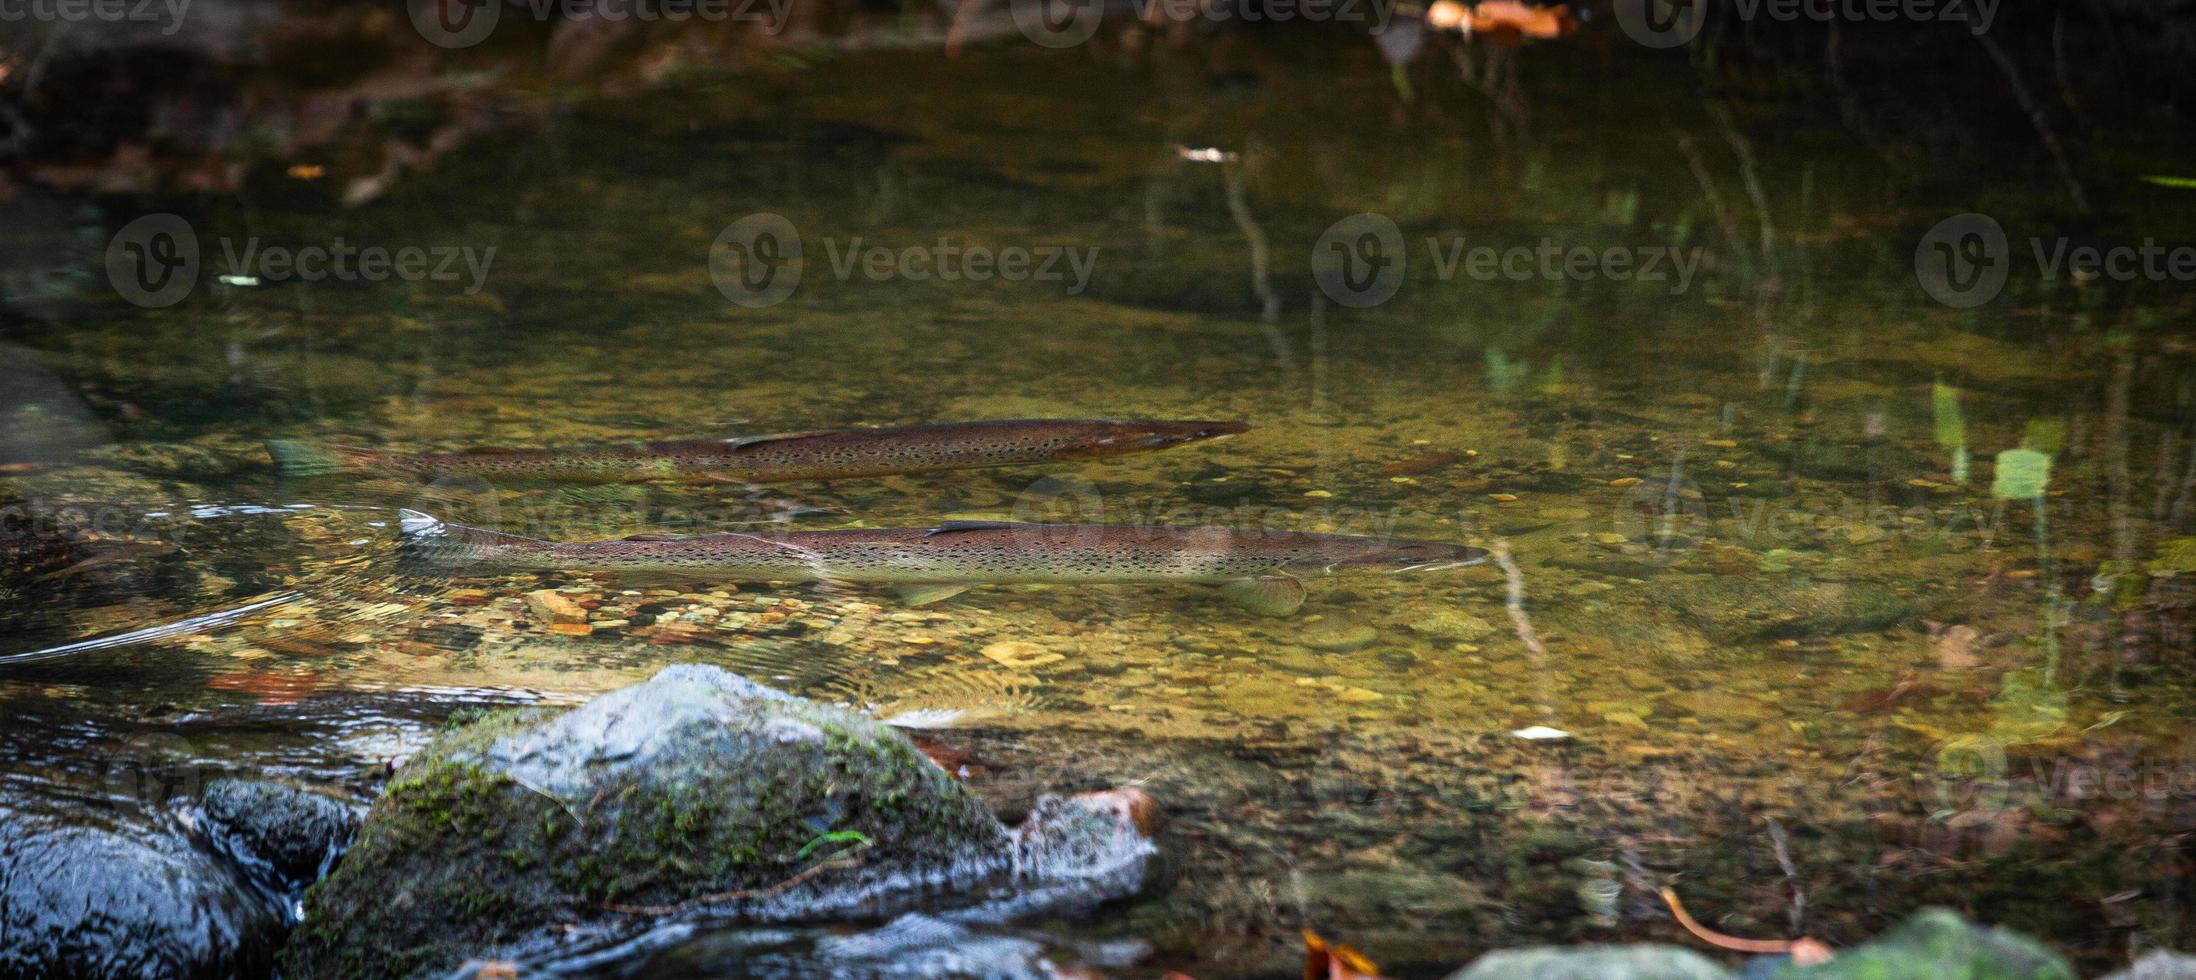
287,836
165,906
1340,636
2159,965
1646,961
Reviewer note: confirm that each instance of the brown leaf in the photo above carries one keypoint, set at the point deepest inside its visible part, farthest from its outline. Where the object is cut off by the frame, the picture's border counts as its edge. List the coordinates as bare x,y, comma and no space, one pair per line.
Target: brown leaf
1325,961
1508,20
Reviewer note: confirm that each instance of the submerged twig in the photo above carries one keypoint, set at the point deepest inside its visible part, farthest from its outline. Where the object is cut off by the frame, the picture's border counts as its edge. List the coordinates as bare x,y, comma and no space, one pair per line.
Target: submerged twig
2036,118
1515,602
1269,302
1804,950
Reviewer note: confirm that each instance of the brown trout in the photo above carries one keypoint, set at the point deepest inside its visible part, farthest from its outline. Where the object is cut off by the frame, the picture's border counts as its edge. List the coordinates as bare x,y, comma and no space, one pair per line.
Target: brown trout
828,454
1256,568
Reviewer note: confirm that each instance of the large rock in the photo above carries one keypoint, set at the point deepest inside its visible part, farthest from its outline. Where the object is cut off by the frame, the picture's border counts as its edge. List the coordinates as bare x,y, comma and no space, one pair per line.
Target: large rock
93,893
1739,609
2159,965
1937,944
696,791
283,836
1640,962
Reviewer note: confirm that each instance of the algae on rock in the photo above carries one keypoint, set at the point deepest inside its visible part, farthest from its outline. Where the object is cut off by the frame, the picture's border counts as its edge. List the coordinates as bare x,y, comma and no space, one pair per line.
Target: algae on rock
695,787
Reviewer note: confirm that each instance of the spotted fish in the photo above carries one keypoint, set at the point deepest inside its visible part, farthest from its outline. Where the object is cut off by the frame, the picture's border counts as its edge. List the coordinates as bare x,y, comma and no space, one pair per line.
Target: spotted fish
1257,568
828,454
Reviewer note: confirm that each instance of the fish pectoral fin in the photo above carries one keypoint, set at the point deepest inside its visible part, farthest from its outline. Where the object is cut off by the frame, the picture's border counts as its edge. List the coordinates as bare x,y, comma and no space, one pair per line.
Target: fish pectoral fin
948,527
652,537
925,594
1267,595
489,451
737,443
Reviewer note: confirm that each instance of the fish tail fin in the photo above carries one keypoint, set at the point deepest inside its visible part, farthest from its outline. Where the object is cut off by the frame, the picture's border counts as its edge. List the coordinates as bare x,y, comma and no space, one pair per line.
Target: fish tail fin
294,457
426,541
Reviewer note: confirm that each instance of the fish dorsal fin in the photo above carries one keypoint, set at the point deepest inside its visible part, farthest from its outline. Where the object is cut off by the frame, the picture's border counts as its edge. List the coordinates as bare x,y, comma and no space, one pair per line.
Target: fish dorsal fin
948,527
737,443
651,537
489,451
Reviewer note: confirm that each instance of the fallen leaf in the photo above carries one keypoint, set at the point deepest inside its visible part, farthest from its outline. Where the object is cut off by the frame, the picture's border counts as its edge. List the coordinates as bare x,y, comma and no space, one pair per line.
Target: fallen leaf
1508,20
1325,961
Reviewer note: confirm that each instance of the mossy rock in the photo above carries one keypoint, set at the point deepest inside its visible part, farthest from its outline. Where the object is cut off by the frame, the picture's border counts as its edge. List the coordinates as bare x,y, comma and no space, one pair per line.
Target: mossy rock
1937,944
696,785
1644,961
1738,609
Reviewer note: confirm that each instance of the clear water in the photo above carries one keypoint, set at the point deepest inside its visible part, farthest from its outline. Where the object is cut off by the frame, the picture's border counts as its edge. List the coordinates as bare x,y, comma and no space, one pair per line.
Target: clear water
1821,659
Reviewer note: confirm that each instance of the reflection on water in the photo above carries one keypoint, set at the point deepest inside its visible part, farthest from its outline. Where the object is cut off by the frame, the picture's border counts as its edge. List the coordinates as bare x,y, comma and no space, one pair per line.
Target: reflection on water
1849,600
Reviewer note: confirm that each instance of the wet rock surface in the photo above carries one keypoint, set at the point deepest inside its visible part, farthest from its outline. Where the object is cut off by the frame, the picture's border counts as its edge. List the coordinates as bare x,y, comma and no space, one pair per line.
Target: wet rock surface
697,793
1938,942
1641,962
93,893
1935,943
283,836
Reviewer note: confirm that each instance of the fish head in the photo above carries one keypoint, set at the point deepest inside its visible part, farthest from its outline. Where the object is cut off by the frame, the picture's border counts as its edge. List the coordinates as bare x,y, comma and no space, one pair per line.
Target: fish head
1119,438
1406,555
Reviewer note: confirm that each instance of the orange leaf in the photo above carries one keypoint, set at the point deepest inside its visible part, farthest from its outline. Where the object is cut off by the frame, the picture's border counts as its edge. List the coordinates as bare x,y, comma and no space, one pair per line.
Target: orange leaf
1323,961
1499,17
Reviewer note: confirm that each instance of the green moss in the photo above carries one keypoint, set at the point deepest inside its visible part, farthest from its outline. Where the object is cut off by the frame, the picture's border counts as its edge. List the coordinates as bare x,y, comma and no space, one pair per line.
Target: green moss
458,858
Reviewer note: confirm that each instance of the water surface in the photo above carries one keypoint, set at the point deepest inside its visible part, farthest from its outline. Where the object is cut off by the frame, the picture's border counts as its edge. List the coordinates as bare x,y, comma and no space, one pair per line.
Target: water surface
1819,661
